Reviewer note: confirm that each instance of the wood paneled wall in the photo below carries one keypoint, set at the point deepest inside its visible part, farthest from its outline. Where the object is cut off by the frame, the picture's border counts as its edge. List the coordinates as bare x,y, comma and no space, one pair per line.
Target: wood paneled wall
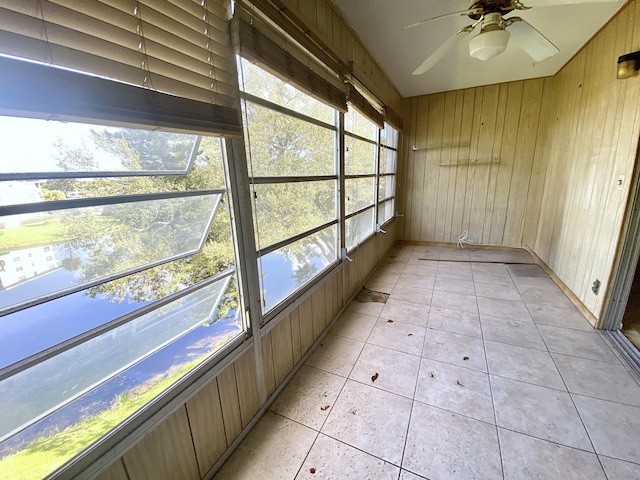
532,163
588,138
188,443
467,159
325,19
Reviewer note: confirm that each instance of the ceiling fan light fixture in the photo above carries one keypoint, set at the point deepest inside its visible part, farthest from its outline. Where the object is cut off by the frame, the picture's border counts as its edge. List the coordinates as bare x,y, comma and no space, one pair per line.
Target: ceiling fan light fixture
488,44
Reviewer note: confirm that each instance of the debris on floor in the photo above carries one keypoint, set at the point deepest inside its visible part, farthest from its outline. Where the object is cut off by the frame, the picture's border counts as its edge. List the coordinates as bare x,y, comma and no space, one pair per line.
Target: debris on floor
366,296
374,377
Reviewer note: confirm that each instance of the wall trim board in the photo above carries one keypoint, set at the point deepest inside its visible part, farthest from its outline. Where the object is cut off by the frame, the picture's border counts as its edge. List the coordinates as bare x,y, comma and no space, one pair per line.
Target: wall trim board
455,245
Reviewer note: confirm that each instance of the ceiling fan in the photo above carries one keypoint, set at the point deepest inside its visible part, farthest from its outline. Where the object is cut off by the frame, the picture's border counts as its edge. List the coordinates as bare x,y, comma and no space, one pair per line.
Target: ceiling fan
495,31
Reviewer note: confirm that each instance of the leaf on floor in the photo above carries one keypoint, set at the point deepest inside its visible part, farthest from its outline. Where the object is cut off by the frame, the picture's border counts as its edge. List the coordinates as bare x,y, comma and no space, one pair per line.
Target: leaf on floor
324,408
374,377
465,358
459,383
389,321
410,335
312,470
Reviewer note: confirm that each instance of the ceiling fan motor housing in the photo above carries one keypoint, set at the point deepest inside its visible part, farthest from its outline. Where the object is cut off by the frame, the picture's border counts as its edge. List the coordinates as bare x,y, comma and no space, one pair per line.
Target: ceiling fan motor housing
492,39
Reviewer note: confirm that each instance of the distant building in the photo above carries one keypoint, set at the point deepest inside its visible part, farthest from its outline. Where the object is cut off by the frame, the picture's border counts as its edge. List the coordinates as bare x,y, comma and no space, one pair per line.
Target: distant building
21,265
16,192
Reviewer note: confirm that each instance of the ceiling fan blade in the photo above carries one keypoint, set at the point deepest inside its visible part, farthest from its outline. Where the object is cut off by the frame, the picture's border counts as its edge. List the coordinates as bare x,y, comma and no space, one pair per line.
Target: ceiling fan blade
472,11
442,50
530,40
555,3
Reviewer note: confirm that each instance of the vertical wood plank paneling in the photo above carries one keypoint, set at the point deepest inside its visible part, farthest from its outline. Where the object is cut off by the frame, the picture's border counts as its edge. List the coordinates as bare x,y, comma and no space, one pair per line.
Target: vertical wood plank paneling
166,452
268,364
115,471
246,379
296,346
306,325
281,341
419,169
230,403
207,427
318,306
452,136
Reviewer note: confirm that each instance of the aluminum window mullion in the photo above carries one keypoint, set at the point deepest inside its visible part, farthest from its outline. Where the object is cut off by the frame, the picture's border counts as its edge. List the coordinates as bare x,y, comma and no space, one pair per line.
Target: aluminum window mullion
358,212
358,137
301,179
342,230
376,214
284,110
40,357
50,206
283,243
362,175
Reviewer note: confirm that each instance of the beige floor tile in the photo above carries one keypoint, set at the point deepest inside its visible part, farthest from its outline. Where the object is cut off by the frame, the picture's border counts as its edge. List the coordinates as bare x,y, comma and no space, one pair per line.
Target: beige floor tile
524,364
538,411
423,268
309,396
415,281
399,336
370,420
577,344
503,308
499,291
334,460
495,269
525,457
456,270
412,294
526,271
540,283
274,449
336,355
356,326
444,445
455,321
454,285
492,278
559,317
367,308
407,475
397,372
455,254
555,297
406,312
454,349
620,470
608,381
455,301
457,389
614,428
521,332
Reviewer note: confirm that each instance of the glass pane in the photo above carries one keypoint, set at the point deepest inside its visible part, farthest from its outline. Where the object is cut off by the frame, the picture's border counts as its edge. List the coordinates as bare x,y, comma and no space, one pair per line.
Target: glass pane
47,146
260,83
359,156
388,160
280,145
191,329
389,136
386,211
288,209
387,187
358,228
90,244
357,123
359,193
286,270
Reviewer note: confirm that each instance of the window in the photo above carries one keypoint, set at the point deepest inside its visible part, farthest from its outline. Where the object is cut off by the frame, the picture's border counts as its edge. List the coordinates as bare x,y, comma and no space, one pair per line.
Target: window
361,137
387,173
291,152
117,192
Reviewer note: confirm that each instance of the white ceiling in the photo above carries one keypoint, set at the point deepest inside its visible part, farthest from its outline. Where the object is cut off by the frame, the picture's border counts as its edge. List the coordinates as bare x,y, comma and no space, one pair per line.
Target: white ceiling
379,24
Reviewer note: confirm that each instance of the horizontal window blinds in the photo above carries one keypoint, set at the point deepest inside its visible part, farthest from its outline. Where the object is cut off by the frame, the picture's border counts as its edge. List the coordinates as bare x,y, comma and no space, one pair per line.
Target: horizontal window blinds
364,107
180,47
256,46
393,118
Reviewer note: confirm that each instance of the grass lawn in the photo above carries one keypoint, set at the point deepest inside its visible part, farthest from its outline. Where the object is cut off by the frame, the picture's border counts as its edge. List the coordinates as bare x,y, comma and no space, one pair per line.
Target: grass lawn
48,232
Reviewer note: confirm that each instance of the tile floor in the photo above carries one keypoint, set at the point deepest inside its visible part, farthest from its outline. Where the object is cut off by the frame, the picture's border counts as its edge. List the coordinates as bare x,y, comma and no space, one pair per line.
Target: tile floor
485,370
